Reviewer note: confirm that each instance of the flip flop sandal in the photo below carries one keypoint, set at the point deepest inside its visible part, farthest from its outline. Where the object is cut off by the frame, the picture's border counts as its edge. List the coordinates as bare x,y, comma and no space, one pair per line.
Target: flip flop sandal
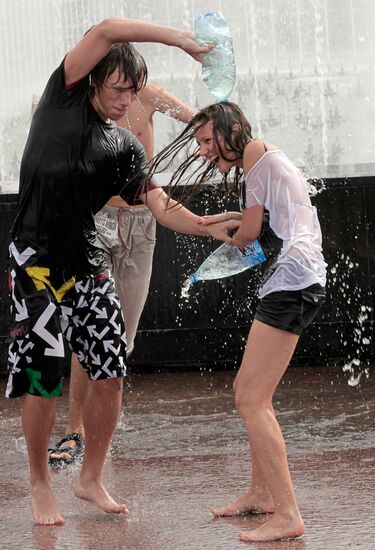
73,452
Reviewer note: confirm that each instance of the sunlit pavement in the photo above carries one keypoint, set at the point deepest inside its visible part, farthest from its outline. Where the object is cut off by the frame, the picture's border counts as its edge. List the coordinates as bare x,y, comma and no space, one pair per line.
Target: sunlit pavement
181,448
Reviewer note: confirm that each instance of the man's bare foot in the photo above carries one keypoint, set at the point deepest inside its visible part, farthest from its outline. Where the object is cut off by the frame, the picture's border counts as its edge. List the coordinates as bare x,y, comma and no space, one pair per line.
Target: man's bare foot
278,527
43,505
95,492
249,503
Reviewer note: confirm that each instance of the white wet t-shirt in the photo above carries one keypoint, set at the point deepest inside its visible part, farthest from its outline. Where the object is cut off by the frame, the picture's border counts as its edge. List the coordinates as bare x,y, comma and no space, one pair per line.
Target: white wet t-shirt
275,183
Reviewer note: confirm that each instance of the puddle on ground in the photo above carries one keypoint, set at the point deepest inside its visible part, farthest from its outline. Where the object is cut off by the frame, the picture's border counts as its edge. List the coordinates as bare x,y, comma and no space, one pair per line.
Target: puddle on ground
181,448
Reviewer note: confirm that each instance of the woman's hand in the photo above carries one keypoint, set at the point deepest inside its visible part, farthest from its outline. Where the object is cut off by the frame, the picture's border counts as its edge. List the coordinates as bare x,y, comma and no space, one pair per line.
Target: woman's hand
223,231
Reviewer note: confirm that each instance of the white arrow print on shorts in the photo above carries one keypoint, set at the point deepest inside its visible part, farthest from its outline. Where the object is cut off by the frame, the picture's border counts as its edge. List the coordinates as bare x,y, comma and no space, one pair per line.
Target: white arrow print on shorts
113,299
68,333
80,287
13,358
28,345
66,311
57,346
82,302
9,387
105,369
83,322
64,319
114,324
81,356
21,257
108,345
21,309
101,313
95,358
93,332
101,290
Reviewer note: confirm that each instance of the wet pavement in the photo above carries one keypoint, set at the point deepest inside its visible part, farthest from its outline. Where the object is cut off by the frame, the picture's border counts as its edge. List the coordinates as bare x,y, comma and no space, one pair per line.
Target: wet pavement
181,448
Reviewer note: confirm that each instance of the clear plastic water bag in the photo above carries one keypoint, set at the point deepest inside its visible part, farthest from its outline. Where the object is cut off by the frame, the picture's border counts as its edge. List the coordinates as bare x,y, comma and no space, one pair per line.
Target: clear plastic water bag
228,260
219,66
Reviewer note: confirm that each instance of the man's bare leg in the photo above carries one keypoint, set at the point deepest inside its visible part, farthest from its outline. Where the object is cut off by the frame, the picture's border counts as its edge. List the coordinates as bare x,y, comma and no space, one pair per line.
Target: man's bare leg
38,415
100,414
78,386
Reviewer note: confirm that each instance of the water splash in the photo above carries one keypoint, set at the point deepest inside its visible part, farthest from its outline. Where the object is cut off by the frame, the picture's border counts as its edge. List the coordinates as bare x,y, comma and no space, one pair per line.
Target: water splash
185,289
355,377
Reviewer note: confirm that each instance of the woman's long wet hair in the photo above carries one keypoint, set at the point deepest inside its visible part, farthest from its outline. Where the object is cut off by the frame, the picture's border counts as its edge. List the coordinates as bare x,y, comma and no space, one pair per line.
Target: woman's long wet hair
229,122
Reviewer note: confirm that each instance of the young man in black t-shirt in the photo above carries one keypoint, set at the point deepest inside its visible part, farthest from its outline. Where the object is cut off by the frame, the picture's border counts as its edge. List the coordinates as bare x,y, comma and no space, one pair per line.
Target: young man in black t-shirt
75,159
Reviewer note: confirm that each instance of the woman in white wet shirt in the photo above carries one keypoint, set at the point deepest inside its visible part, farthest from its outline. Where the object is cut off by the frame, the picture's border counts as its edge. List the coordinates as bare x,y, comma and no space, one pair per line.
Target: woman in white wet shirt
291,295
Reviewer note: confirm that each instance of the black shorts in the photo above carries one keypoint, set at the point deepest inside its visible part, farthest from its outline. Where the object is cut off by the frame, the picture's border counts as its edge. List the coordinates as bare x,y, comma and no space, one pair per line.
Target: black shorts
291,310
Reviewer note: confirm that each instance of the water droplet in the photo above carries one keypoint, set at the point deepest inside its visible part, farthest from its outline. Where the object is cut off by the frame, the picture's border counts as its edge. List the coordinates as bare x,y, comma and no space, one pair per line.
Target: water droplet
354,380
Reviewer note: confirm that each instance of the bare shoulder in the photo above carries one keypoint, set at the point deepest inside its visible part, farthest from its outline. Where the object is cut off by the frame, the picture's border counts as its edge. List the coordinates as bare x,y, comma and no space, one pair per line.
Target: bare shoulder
254,151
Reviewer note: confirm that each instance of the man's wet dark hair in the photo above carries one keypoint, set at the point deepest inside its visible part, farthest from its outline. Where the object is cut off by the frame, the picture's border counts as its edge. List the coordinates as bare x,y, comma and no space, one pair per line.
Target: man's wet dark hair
124,57
227,120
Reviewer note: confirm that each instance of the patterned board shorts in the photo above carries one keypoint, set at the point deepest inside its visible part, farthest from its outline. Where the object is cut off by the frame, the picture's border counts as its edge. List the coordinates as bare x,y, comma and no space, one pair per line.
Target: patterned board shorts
49,306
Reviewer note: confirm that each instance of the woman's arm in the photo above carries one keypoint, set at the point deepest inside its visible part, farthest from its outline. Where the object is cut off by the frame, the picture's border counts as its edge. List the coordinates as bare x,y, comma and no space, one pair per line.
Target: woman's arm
97,42
251,226
252,218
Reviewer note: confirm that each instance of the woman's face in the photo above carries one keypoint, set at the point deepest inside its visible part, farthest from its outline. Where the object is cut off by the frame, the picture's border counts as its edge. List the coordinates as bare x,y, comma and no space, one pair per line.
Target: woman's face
209,149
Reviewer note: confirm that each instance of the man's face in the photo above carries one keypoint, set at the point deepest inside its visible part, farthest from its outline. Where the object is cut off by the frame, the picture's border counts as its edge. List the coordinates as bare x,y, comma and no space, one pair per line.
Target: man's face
115,96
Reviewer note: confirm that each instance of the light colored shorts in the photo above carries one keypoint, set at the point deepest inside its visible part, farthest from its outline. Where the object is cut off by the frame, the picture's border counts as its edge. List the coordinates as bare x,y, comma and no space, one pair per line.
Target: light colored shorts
128,237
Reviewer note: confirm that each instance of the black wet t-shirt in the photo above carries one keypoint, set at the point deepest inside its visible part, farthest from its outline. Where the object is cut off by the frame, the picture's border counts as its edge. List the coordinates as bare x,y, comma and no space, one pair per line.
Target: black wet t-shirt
72,164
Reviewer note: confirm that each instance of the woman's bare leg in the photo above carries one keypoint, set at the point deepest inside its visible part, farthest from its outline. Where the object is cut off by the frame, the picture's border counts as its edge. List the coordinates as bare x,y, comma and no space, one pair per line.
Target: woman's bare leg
267,355
257,500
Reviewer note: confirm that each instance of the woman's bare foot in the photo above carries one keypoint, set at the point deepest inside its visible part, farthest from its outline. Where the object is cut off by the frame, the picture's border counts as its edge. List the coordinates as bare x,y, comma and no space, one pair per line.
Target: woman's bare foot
278,527
249,503
43,505
95,492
